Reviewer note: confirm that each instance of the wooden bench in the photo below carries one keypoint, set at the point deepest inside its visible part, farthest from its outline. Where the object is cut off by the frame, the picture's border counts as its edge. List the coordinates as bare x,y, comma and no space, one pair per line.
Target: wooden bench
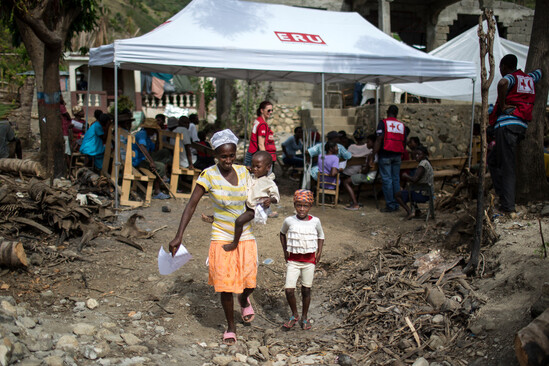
165,139
443,168
132,178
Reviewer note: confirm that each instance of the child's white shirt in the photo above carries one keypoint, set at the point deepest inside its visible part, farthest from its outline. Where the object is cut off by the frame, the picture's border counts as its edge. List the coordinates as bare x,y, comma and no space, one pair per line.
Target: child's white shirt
302,235
260,188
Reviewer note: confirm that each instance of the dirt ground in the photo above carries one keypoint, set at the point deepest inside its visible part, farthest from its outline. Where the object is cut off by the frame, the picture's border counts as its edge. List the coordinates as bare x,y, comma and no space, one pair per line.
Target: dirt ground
126,282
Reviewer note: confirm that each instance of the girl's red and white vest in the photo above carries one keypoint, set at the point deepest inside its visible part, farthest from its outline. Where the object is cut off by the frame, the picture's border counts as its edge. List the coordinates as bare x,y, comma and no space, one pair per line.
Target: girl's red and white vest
522,96
394,138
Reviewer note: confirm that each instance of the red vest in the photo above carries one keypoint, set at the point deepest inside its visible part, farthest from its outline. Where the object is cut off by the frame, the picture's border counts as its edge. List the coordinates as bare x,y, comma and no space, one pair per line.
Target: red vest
394,138
522,95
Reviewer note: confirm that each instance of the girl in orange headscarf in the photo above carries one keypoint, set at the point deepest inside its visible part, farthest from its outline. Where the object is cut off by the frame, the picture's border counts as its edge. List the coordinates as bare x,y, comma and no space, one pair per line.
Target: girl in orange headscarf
302,239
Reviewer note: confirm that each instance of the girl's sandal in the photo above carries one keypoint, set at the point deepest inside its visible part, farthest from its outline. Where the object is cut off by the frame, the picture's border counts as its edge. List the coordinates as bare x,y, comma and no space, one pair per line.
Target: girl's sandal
290,324
229,338
305,324
247,313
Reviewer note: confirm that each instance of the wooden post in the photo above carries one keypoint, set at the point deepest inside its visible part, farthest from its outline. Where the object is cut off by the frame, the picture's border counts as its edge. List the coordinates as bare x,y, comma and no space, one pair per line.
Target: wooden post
486,42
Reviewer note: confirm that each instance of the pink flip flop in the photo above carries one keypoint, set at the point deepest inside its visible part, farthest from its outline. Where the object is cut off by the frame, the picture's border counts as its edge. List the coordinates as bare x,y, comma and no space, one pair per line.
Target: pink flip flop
248,311
229,338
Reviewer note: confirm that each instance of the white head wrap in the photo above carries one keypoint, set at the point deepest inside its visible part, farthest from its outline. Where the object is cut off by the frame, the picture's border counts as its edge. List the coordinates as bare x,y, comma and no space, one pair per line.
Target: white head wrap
223,137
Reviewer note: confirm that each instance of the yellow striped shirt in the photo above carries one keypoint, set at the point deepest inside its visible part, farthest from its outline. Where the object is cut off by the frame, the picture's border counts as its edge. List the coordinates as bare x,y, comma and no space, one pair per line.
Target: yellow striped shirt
229,201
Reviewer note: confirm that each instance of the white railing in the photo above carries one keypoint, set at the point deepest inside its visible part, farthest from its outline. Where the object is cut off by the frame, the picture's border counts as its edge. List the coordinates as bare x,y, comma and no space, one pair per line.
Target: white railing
97,99
181,100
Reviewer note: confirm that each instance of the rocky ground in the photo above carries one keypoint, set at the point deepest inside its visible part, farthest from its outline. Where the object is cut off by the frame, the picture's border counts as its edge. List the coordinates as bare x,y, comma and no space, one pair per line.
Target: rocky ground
108,305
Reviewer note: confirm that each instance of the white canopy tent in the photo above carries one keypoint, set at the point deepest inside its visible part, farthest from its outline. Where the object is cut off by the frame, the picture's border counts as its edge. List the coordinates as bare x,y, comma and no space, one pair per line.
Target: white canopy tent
255,41
465,47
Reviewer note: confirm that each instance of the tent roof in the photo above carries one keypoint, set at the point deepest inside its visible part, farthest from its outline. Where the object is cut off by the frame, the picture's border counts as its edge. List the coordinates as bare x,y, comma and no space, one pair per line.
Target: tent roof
256,41
465,47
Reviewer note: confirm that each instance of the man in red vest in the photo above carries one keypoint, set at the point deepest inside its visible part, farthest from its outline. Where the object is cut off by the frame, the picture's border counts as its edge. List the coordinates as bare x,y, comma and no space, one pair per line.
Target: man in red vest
389,145
510,117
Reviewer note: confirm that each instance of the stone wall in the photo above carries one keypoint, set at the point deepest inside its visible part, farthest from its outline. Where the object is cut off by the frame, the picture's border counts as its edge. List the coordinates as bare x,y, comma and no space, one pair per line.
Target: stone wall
519,30
444,128
515,18
285,118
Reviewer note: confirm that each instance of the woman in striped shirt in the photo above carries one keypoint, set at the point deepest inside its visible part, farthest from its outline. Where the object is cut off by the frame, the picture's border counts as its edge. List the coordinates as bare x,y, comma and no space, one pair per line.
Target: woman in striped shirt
230,270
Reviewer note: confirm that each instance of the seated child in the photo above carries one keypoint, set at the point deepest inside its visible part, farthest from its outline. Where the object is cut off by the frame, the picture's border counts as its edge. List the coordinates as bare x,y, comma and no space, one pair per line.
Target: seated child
262,190
330,166
302,239
424,176
366,175
358,150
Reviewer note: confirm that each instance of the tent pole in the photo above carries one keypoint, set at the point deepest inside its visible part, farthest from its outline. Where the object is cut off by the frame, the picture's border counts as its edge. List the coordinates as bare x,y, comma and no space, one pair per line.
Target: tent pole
247,120
472,125
322,134
116,137
87,100
377,105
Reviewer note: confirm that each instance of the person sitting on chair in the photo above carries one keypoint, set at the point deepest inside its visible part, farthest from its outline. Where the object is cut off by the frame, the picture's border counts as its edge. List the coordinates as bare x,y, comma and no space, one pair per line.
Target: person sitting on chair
147,155
365,174
290,147
93,142
329,165
423,177
315,151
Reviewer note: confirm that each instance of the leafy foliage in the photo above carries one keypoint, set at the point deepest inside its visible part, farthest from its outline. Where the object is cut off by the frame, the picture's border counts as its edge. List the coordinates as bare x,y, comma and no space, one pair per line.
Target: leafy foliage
13,60
124,102
5,109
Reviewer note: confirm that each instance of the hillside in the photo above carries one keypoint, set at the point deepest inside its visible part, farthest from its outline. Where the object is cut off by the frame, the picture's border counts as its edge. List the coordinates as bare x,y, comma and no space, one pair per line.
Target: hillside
140,16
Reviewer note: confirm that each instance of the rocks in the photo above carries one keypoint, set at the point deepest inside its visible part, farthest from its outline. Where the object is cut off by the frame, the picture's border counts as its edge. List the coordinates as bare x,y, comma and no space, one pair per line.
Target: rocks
7,308
264,352
84,329
545,211
437,319
222,360
436,342
344,360
54,361
435,297
67,343
26,322
91,304
5,353
421,362
79,306
130,339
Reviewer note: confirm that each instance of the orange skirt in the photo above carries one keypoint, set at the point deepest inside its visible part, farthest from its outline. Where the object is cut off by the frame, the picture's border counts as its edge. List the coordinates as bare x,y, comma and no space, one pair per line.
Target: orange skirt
235,270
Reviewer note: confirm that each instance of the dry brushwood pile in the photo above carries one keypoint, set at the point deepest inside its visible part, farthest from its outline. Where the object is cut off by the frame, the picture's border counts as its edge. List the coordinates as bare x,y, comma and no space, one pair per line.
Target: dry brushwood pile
35,212
61,212
400,304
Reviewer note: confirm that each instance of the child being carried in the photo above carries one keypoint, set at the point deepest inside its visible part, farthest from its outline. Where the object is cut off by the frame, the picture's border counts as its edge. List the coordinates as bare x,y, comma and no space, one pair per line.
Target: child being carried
262,192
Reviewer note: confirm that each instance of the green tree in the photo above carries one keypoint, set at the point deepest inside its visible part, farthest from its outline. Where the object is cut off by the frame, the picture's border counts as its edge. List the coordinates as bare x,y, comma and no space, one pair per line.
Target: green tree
46,27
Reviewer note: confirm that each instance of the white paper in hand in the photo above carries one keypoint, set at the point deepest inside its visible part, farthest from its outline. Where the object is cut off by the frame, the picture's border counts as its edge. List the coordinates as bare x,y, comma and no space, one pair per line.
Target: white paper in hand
168,264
